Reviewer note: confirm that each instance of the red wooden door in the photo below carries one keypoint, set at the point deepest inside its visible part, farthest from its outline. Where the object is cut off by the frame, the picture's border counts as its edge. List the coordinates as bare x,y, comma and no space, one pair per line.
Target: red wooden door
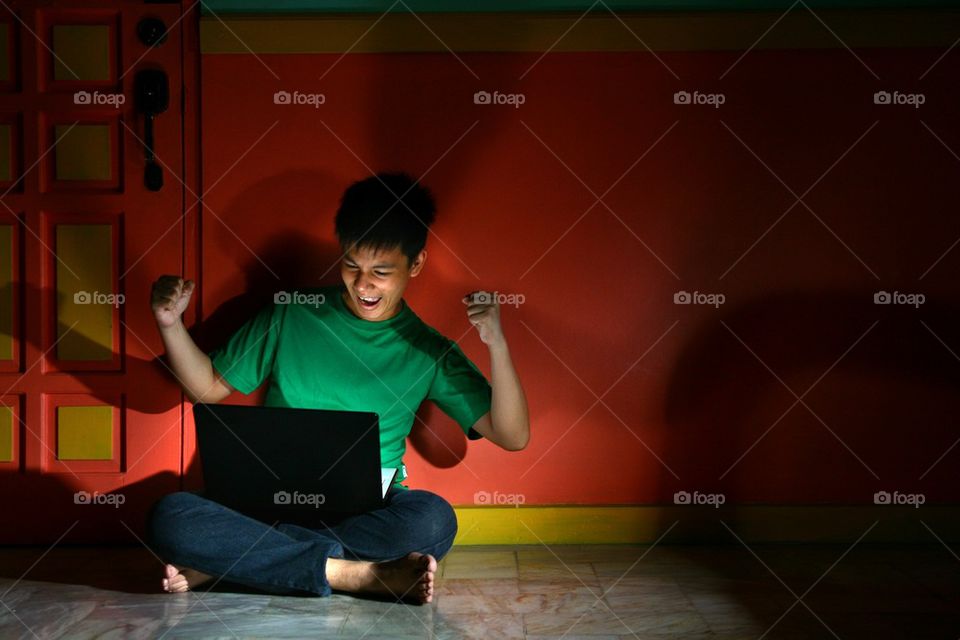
91,422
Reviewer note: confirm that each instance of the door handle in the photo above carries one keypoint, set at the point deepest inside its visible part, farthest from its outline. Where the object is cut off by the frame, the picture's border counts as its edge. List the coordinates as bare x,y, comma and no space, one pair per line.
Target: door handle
152,96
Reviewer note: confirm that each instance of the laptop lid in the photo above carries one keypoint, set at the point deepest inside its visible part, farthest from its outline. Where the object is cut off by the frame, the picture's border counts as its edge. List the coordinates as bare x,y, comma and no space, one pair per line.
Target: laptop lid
286,464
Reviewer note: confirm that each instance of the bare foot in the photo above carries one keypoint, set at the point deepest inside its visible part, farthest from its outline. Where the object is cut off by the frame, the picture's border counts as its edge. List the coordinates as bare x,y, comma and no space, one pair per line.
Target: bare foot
179,579
410,578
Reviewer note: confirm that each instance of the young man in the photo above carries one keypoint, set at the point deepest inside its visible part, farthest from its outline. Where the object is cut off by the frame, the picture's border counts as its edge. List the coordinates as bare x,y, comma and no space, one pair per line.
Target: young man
356,347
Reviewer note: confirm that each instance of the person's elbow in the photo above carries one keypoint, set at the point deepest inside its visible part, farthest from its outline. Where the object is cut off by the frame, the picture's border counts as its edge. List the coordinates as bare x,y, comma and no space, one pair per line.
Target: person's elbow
197,397
518,443
211,393
507,436
512,446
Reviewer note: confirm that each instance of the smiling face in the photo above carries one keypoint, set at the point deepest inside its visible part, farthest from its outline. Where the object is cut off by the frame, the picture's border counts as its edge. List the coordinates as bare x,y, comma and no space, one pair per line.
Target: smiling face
376,280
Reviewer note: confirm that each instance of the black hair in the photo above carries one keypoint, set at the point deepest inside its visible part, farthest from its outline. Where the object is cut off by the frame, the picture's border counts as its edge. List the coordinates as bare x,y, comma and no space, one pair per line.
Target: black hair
385,211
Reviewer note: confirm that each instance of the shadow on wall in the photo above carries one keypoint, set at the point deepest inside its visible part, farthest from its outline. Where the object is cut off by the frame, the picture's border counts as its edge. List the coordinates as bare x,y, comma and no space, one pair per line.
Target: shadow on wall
57,505
296,259
875,368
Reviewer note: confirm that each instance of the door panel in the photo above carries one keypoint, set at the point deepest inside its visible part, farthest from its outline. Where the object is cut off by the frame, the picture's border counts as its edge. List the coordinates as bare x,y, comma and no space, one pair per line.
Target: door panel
90,419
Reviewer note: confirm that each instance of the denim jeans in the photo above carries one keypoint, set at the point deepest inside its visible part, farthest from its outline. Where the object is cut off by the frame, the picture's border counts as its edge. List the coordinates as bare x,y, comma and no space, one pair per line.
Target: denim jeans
188,530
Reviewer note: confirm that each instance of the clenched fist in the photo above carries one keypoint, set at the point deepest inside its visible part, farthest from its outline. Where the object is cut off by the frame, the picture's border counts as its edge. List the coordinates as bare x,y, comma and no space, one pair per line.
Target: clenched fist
483,311
169,299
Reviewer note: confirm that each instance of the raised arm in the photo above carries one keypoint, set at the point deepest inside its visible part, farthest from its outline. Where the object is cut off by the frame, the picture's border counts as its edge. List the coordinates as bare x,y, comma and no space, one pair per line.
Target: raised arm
191,366
507,424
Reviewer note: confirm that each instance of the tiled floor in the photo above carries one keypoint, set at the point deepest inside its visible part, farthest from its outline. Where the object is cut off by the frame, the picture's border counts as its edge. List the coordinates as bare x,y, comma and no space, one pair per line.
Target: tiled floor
531,592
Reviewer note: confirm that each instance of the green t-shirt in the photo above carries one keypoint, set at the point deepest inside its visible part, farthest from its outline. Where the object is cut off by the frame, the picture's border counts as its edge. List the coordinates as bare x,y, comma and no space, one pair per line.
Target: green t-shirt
319,355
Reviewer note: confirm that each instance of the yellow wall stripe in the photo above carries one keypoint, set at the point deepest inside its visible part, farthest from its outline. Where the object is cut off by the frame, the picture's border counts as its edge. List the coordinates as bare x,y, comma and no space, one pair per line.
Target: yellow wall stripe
644,524
87,249
598,31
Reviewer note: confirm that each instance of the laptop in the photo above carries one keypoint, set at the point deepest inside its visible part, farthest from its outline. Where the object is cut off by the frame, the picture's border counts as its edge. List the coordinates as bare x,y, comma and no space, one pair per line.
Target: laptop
308,466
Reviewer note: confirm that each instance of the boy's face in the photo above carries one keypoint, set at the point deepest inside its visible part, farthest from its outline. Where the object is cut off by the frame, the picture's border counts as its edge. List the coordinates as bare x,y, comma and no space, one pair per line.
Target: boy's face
376,280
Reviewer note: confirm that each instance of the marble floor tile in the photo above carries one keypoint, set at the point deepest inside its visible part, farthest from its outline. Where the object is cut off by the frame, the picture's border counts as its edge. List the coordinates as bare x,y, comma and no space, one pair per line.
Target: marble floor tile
478,627
479,586
570,602
47,620
645,567
581,553
628,598
597,621
523,591
545,571
378,616
259,625
574,637
336,604
771,596
561,586
787,622
480,564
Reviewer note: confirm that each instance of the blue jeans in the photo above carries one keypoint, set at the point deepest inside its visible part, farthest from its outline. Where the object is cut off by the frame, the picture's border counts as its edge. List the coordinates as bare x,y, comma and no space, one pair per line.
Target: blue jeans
189,530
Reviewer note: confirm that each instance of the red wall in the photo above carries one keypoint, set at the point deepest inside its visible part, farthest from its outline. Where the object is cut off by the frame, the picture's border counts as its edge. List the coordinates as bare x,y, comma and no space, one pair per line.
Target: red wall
599,305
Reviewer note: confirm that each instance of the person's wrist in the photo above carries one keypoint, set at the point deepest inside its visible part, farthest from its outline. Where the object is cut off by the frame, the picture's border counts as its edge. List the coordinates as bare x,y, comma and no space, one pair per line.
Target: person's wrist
173,328
498,344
